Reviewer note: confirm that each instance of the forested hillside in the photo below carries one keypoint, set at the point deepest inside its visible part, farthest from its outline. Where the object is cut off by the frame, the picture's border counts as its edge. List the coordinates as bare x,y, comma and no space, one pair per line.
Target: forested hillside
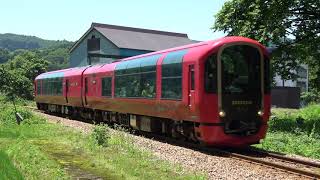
13,42
55,52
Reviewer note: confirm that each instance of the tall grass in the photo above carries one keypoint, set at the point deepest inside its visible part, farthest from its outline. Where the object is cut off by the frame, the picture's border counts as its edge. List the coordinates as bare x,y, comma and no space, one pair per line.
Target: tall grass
294,131
7,168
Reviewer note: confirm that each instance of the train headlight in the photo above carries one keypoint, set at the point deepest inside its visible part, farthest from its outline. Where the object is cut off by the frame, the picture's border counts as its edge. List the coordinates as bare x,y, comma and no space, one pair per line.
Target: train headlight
222,114
260,113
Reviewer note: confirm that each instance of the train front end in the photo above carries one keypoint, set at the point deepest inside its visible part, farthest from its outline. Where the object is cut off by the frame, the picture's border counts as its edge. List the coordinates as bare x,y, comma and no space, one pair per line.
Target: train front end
242,94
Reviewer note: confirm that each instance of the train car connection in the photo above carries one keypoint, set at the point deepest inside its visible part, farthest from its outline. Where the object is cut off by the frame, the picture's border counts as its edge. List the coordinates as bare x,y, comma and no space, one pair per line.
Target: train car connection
215,92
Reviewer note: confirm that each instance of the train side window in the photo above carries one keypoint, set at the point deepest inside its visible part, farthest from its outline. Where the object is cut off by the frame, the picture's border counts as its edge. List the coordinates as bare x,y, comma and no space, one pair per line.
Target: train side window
210,79
49,87
38,87
60,84
133,78
55,86
43,87
148,76
172,75
121,68
148,64
136,78
133,66
106,86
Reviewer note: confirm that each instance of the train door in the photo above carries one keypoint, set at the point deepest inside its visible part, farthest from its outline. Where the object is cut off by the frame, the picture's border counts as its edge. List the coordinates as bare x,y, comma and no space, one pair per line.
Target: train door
240,88
67,90
191,88
85,91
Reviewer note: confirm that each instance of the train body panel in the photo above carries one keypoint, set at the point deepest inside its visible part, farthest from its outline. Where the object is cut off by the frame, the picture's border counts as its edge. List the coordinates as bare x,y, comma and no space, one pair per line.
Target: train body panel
183,87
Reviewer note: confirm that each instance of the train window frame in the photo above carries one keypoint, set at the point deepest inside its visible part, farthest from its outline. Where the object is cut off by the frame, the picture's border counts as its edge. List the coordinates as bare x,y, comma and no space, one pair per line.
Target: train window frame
171,75
103,86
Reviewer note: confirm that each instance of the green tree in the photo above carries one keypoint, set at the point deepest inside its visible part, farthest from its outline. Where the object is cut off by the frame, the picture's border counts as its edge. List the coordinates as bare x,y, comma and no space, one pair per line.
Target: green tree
18,74
293,26
4,55
57,56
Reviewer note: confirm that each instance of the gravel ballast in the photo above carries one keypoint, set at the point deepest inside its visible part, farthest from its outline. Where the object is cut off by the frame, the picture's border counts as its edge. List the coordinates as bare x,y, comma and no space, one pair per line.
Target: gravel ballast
214,166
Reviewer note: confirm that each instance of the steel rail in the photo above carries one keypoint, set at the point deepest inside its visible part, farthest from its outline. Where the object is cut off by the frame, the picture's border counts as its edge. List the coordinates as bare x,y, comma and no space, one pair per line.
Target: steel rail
286,158
279,166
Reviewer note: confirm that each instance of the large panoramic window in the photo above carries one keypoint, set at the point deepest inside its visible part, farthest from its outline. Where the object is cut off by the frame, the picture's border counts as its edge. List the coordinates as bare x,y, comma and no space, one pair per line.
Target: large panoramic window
136,78
52,86
172,75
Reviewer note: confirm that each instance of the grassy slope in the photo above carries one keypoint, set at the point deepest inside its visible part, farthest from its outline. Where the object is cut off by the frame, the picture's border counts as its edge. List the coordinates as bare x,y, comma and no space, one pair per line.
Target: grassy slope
37,149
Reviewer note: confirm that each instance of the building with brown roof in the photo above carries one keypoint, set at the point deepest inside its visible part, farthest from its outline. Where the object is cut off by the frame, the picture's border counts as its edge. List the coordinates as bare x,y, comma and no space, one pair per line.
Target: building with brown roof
104,43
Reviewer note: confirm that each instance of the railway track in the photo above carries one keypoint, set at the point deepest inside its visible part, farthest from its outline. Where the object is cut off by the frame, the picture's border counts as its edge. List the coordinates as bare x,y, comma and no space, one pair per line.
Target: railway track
278,161
281,162
298,166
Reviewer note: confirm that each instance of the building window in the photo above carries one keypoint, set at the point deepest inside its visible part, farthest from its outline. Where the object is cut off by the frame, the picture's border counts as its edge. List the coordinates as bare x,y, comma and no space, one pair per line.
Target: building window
172,75
136,78
93,44
210,75
106,86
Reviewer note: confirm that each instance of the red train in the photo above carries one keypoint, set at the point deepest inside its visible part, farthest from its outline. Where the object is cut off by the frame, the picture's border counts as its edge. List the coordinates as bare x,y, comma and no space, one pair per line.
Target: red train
215,92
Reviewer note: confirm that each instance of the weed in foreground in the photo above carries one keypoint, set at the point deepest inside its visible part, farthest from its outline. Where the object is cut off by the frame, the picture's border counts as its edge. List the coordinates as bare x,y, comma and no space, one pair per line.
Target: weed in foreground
101,134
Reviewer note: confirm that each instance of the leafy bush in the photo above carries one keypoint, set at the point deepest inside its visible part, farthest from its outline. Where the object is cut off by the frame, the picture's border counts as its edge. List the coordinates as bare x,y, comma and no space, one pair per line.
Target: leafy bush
304,120
101,134
310,97
7,115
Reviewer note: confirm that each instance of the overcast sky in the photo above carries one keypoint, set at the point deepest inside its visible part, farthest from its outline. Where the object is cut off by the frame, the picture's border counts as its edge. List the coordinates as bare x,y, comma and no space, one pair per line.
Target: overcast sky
69,19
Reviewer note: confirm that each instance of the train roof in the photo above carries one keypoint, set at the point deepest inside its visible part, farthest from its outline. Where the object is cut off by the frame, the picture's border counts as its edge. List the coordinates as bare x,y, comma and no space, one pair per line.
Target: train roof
60,73
110,67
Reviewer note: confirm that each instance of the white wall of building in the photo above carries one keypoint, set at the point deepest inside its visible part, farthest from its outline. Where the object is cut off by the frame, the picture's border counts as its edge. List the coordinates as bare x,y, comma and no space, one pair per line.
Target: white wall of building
302,80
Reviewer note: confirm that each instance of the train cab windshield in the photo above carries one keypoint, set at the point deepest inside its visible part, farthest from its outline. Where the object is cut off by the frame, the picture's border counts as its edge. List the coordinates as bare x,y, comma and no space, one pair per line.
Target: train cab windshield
240,67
